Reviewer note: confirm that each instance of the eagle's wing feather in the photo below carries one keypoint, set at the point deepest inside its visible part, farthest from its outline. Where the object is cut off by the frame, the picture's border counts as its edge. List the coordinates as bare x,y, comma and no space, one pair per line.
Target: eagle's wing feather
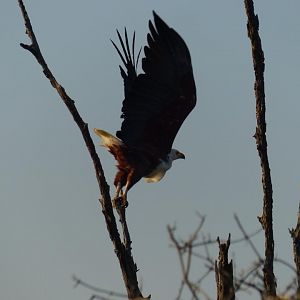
157,102
128,60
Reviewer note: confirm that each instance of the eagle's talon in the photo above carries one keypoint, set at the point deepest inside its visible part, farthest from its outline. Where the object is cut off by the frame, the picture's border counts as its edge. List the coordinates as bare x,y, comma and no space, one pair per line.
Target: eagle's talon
125,203
116,202
120,202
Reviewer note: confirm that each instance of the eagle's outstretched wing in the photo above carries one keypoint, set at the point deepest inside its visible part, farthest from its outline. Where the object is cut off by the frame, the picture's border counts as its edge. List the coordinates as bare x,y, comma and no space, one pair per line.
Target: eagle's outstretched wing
157,101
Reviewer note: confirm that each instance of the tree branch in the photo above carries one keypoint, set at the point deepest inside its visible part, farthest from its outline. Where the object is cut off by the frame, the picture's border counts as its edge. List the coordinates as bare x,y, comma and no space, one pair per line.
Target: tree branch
101,291
247,238
266,219
295,234
125,258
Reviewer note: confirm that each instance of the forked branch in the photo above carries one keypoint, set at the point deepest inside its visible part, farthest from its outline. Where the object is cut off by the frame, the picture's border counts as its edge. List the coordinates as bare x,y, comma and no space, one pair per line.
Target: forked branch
122,250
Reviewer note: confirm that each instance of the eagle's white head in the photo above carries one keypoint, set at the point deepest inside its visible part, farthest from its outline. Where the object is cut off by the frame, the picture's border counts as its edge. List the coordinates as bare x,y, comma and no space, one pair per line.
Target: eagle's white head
175,154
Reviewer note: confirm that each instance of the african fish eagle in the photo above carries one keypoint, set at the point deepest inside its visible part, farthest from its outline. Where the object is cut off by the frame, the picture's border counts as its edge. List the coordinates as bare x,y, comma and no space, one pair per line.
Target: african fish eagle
156,103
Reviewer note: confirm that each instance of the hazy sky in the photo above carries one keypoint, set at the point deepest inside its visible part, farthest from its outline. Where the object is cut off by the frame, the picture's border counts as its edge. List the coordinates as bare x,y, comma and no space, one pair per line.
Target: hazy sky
51,225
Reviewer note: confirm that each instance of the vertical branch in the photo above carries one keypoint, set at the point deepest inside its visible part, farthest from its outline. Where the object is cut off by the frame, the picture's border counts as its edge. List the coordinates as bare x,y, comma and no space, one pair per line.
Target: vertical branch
125,258
295,234
224,273
128,266
266,219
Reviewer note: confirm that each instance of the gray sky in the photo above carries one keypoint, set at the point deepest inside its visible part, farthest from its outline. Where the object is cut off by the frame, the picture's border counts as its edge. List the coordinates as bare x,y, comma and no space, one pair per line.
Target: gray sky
51,225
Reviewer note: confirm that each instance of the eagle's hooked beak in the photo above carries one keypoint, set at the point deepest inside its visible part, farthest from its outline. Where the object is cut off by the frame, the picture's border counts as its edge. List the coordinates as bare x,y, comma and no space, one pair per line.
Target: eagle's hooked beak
180,155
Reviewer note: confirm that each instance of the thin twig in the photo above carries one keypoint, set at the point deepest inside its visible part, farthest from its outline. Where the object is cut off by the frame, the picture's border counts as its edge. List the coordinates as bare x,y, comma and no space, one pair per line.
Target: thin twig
243,280
80,282
185,265
247,238
235,241
98,297
285,263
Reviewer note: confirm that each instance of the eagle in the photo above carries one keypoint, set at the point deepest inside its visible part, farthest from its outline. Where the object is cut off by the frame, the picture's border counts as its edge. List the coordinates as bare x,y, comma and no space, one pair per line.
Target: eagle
156,103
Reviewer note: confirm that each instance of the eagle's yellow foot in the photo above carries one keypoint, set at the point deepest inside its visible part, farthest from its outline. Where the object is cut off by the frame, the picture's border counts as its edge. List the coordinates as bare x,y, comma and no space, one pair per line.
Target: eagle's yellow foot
119,202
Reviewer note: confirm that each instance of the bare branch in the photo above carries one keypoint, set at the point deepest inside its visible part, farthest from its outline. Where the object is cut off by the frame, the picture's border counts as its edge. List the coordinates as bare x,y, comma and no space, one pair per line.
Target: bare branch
205,242
246,281
251,278
121,210
285,263
247,238
295,234
125,258
79,282
185,264
98,297
266,219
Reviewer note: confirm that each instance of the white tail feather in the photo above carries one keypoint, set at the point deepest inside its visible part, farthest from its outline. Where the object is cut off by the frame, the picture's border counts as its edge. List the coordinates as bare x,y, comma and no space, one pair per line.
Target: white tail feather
107,139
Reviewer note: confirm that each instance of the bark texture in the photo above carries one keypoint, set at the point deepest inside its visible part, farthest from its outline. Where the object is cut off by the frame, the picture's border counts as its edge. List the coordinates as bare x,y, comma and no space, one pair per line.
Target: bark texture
266,219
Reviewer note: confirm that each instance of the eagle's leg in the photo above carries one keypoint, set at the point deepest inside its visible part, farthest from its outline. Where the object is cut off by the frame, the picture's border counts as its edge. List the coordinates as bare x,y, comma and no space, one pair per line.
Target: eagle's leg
118,200
118,190
132,178
124,195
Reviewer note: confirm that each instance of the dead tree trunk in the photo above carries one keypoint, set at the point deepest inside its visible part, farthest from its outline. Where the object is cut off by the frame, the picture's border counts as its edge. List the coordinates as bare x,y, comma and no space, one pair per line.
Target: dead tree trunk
224,273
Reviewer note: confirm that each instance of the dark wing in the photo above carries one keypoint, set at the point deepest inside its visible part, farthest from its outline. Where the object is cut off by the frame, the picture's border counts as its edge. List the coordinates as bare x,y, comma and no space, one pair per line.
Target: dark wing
157,102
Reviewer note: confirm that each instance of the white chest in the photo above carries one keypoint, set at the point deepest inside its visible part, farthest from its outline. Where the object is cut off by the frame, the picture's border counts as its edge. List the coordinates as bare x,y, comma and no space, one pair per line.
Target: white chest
158,173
